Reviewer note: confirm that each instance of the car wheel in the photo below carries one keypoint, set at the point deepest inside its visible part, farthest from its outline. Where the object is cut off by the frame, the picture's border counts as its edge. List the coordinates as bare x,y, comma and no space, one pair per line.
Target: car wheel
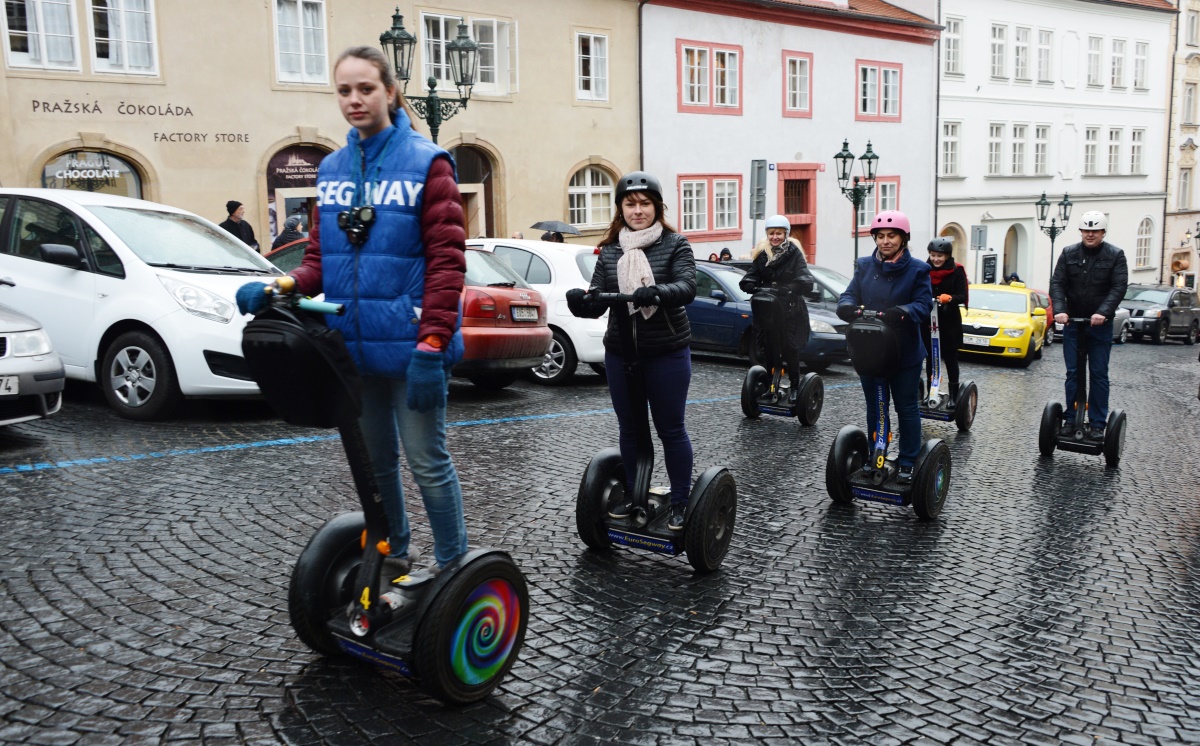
1193,332
1160,334
1123,335
138,377
754,349
1030,353
559,362
1037,355
818,366
492,381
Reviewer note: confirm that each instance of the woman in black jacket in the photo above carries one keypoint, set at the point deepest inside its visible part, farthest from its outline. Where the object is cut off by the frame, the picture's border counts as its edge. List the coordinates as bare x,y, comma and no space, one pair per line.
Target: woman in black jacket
642,255
949,281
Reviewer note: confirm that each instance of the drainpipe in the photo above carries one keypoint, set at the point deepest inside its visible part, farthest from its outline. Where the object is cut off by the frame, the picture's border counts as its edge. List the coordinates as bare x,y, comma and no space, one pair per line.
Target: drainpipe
1162,261
641,133
937,126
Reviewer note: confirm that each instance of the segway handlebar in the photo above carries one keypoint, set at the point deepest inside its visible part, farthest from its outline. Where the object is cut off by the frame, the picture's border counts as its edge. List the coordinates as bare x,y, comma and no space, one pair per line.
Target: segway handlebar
615,298
284,290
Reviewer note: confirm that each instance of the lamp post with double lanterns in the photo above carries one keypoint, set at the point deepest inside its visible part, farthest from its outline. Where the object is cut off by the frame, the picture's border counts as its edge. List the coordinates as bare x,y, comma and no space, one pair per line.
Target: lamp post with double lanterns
1057,224
855,188
462,54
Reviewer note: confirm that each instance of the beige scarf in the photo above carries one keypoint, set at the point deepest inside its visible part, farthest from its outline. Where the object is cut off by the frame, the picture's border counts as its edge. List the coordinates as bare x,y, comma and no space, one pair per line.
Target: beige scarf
633,268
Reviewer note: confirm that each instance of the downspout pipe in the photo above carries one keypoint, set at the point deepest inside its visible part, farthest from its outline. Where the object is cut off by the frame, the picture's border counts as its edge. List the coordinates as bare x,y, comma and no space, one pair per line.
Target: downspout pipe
1171,150
641,118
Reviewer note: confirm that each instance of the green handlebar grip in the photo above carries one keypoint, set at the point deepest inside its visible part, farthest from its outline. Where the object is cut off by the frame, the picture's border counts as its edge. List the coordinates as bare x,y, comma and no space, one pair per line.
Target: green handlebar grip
320,306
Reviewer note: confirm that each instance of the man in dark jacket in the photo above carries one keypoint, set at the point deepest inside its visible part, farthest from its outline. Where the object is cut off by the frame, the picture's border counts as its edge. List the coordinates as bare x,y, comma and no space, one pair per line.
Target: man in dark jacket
238,227
1089,281
290,233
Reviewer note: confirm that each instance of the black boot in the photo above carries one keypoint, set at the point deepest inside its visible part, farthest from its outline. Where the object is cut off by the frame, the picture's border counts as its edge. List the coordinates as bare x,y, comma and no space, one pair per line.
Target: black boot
953,391
793,390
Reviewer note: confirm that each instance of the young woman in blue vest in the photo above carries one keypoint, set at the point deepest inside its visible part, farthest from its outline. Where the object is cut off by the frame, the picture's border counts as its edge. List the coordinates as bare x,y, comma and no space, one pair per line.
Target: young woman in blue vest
400,277
895,282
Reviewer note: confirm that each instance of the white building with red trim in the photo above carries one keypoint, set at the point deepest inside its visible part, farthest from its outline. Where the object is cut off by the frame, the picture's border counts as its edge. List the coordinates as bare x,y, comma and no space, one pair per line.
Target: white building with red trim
786,81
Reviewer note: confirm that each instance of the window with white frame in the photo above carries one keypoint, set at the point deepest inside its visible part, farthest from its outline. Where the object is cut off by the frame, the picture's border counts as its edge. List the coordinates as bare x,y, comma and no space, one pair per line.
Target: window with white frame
1137,141
695,76
725,77
868,90
995,149
1189,103
1118,63
884,196
1091,141
710,204
725,204
878,91
1141,57
1145,231
1041,149
1021,37
1019,134
1193,28
952,47
711,78
1095,52
300,41
590,198
889,195
497,40
694,215
1184,198
1115,136
41,34
999,51
799,84
591,67
1045,56
123,36
950,147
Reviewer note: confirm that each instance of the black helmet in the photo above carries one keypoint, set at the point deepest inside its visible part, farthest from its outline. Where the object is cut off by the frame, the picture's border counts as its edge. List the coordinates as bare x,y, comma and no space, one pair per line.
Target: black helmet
942,245
638,181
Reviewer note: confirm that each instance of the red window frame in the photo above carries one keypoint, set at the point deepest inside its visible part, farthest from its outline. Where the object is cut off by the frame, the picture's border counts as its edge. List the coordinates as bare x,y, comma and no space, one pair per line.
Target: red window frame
709,233
879,116
710,107
793,55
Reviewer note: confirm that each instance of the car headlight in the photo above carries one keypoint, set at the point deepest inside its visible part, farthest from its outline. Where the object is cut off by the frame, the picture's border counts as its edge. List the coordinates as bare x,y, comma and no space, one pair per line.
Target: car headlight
824,327
1014,332
198,301
1153,313
28,344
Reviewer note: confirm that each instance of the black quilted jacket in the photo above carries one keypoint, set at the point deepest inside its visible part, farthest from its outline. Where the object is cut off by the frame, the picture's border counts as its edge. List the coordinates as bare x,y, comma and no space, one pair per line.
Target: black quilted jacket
674,268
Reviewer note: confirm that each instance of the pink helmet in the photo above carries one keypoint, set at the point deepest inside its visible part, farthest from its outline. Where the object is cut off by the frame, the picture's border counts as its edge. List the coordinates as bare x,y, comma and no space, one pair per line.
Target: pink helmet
893,219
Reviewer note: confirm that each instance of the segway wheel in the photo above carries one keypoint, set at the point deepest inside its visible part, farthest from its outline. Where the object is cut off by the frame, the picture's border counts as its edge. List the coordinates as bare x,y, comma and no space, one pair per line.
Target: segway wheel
470,636
964,408
810,399
931,481
846,456
712,513
603,480
323,580
1048,433
753,387
1114,438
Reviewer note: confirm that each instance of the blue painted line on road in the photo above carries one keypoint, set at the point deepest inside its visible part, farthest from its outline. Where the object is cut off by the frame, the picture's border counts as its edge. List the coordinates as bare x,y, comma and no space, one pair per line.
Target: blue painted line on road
48,466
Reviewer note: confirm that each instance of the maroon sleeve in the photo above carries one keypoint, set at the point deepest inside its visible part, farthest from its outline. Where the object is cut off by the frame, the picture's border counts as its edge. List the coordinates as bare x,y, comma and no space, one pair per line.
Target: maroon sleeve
444,235
308,274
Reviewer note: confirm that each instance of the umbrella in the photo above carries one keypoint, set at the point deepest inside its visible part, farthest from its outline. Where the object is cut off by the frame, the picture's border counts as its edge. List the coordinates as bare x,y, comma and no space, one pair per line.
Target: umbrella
557,226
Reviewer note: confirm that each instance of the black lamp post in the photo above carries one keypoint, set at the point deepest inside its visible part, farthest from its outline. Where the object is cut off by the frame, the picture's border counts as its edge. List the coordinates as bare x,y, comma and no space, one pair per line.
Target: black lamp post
856,190
1054,230
463,56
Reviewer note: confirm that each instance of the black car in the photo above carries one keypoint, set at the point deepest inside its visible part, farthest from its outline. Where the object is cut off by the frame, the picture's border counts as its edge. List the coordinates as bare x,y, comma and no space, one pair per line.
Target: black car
1160,311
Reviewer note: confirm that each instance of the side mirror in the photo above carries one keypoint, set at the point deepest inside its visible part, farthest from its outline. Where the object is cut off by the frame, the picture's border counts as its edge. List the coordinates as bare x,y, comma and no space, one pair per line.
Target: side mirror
1039,312
61,254
718,295
813,295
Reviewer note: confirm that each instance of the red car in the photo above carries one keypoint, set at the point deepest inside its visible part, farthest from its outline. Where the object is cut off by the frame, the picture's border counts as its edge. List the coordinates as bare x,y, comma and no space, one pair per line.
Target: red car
504,320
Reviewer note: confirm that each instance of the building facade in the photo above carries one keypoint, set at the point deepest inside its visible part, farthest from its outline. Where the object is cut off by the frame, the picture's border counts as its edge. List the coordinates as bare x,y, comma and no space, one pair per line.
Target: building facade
1062,97
785,83
195,104
1177,262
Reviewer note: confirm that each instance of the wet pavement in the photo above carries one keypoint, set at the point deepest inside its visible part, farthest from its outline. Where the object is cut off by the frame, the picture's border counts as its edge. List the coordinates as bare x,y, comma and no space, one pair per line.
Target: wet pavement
144,571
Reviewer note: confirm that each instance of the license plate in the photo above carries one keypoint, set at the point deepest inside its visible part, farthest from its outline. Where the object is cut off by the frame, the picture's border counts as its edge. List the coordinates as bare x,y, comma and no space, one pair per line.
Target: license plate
524,313
10,385
977,341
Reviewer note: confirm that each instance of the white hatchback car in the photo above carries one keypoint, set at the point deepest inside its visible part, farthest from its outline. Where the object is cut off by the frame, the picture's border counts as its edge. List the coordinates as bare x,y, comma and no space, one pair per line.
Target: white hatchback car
135,295
552,269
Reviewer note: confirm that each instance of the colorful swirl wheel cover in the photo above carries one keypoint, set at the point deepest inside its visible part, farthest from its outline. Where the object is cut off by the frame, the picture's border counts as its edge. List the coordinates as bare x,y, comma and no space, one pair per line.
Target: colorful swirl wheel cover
486,631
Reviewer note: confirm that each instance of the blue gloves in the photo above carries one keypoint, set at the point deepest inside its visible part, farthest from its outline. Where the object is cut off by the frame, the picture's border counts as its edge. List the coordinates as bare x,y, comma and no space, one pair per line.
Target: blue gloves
426,381
645,297
251,297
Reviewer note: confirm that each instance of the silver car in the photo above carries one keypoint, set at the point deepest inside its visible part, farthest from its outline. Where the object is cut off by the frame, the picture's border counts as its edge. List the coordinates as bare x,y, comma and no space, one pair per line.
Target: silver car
31,374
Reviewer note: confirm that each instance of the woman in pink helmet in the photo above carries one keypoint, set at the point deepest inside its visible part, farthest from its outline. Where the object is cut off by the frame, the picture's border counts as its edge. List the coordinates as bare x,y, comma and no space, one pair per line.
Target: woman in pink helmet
893,281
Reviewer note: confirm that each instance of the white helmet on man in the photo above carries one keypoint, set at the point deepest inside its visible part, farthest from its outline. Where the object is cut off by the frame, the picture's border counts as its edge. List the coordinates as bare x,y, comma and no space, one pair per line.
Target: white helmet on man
1093,220
778,221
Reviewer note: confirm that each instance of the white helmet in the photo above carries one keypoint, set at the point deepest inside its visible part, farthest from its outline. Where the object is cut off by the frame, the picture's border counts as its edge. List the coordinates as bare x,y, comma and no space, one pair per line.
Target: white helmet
1093,220
778,221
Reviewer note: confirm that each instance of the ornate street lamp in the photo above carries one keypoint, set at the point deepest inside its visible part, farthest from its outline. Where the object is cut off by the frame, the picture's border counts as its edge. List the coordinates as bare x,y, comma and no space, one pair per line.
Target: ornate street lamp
1057,225
856,190
463,56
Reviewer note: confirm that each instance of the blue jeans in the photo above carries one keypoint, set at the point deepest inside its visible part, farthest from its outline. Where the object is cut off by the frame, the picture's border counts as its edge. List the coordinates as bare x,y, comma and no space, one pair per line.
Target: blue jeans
387,422
905,387
1099,341
667,379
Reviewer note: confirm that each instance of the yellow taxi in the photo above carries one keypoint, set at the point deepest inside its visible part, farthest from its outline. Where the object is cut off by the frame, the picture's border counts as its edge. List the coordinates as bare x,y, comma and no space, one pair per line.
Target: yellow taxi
1005,321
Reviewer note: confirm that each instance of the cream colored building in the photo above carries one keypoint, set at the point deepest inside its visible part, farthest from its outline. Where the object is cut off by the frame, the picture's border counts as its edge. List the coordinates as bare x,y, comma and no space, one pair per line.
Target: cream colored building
197,103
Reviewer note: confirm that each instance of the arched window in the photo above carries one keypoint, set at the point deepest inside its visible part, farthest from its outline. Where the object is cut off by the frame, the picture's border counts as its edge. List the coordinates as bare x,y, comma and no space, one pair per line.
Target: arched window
91,171
590,198
1141,257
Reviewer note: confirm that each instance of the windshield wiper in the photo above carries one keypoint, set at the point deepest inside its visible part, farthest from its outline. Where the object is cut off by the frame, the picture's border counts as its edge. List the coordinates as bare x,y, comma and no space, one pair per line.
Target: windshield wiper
502,284
206,268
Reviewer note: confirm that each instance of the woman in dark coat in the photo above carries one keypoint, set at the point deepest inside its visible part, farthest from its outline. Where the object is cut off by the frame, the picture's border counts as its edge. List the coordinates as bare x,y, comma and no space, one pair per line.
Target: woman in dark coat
949,282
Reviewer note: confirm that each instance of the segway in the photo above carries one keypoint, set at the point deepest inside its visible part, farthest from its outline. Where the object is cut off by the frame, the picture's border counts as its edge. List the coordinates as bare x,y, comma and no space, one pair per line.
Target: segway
856,466
762,391
1079,440
935,405
712,505
456,631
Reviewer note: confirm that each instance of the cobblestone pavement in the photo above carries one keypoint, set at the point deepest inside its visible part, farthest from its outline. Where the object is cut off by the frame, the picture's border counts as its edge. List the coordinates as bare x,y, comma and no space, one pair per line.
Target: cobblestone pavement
144,568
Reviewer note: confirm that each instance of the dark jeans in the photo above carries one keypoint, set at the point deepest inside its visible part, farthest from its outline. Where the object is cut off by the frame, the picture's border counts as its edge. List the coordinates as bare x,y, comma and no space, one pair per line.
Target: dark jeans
1099,341
667,379
904,386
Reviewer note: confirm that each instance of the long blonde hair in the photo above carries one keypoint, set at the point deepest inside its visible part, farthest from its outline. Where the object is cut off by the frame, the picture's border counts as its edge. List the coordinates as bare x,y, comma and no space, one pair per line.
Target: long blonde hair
765,246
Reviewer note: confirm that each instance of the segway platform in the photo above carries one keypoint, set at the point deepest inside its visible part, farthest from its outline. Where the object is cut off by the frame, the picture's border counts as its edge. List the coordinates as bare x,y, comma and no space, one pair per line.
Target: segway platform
960,411
762,389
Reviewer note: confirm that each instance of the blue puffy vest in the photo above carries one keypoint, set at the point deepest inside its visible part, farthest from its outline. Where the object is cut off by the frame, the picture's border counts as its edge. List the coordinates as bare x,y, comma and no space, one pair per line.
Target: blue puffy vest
382,281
